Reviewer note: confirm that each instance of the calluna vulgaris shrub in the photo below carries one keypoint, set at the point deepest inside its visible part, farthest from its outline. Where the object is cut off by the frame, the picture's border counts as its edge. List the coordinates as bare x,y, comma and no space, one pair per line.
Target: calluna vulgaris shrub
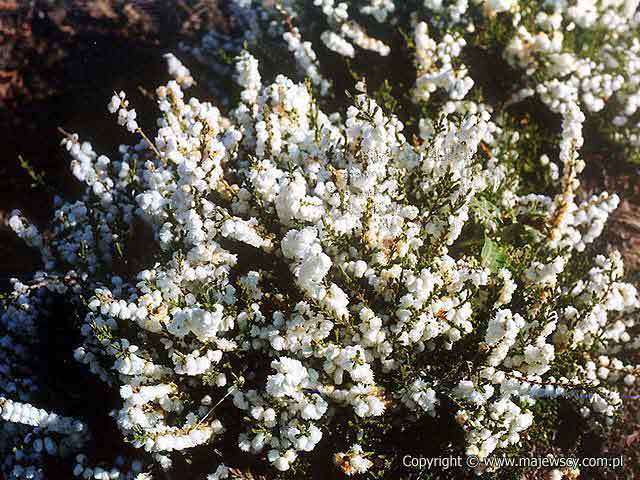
323,275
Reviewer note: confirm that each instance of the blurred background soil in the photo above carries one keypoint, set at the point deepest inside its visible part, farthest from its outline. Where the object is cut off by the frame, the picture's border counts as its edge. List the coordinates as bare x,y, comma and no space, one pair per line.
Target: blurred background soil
60,62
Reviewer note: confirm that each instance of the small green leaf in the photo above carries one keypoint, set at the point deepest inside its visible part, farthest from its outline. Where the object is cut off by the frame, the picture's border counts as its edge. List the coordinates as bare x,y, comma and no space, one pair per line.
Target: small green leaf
492,255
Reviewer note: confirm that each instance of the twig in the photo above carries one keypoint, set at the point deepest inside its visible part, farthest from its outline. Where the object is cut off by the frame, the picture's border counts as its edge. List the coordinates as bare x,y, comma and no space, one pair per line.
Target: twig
229,392
149,142
65,133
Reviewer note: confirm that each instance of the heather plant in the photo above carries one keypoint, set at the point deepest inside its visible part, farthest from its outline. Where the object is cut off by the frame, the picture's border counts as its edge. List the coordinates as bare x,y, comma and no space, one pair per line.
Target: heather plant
324,273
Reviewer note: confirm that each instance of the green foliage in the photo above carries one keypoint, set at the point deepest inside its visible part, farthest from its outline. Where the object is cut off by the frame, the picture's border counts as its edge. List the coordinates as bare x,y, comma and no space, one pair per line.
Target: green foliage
492,256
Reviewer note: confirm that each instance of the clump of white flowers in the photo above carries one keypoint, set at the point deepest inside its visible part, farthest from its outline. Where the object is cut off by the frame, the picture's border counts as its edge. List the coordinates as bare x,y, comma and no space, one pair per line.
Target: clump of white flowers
316,278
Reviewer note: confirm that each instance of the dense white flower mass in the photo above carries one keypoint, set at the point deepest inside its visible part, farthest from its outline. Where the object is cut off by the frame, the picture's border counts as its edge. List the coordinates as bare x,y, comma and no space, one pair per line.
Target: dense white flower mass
315,276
